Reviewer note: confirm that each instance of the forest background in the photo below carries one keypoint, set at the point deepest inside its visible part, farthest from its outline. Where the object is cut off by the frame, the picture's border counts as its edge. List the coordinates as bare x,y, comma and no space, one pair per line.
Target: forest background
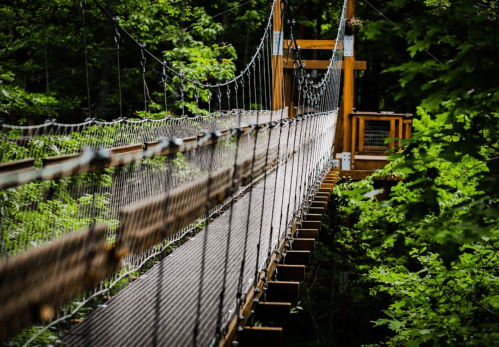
424,260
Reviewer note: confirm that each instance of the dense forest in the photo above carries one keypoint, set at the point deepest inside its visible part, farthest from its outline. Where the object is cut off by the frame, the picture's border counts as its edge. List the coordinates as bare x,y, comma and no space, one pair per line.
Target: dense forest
408,262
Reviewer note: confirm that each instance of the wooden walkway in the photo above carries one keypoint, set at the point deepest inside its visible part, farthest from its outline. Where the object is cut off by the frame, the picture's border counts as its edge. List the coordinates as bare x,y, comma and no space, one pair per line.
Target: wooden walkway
160,308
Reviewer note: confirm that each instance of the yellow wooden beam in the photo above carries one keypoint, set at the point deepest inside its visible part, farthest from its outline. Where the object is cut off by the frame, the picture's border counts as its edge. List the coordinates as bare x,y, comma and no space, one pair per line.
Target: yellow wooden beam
313,44
323,64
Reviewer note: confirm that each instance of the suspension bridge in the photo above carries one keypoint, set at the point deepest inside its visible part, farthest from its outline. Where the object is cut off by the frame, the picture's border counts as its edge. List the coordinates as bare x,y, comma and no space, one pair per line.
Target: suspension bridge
243,190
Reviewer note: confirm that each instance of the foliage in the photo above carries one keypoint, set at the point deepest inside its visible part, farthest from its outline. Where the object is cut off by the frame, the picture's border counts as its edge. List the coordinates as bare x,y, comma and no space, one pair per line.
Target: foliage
41,36
433,245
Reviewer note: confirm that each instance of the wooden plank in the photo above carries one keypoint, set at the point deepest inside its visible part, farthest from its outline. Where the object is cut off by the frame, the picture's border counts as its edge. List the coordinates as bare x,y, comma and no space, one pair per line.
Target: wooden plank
321,198
311,225
323,189
323,64
309,234
318,204
19,165
279,290
304,244
370,164
365,157
266,336
316,210
272,311
313,217
382,114
362,174
288,272
313,44
298,257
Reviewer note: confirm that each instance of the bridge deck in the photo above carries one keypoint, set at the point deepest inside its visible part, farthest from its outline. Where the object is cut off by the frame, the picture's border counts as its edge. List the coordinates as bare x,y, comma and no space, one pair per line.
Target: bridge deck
160,308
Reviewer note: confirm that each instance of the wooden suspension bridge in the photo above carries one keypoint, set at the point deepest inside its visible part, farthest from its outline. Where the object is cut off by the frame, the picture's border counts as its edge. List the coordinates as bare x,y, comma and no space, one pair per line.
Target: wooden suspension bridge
247,263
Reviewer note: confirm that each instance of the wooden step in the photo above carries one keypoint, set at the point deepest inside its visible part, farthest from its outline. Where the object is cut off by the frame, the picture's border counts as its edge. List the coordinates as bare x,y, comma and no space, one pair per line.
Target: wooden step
321,198
308,234
273,311
313,217
316,210
327,185
279,291
261,336
303,244
288,272
294,257
310,224
326,195
321,204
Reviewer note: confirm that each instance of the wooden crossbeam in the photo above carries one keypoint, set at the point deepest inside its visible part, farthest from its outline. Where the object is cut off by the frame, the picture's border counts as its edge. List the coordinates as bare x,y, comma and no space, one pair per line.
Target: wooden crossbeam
313,44
323,64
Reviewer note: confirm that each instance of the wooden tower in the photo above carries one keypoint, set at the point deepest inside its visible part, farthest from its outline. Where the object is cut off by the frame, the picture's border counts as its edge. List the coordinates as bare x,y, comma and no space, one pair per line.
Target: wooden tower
360,136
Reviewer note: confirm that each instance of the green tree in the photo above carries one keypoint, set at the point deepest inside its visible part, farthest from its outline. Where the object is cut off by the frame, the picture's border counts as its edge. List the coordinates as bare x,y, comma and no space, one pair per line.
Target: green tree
40,35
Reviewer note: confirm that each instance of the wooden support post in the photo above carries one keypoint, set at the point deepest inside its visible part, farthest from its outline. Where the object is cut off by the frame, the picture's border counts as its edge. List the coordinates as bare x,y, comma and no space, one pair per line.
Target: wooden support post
348,86
277,64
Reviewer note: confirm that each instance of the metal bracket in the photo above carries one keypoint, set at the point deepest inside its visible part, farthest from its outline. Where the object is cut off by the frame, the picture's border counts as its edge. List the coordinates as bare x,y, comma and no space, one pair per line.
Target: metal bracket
345,160
278,42
348,46
335,163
